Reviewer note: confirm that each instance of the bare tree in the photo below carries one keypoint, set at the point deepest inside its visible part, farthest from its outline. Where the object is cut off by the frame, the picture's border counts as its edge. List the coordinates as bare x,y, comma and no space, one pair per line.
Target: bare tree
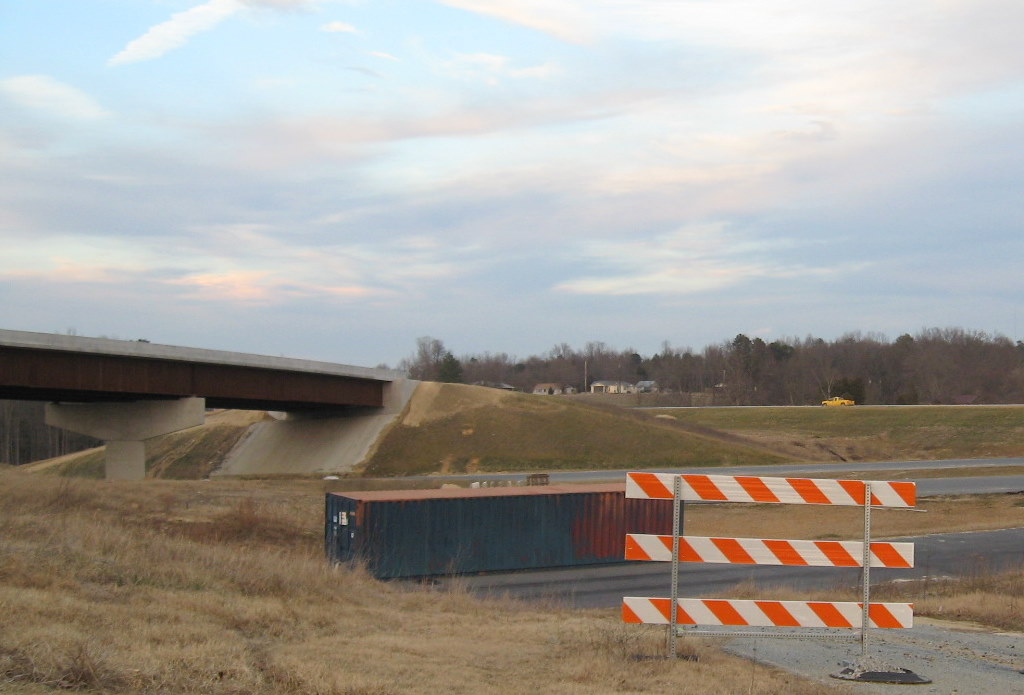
426,363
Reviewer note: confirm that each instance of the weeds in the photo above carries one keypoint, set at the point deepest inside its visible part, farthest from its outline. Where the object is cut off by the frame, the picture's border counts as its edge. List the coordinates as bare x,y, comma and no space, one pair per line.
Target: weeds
232,596
982,596
77,667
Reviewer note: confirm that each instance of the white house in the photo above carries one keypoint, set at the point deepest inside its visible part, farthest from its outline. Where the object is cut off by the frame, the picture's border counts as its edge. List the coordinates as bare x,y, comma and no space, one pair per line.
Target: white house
553,389
608,386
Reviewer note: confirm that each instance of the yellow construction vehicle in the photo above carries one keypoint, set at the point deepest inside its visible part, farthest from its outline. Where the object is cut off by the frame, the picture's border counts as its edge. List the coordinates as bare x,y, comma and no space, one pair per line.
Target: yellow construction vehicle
836,400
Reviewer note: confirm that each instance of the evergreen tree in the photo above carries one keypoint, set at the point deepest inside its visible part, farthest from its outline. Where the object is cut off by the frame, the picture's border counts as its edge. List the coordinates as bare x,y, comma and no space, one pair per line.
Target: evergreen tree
450,370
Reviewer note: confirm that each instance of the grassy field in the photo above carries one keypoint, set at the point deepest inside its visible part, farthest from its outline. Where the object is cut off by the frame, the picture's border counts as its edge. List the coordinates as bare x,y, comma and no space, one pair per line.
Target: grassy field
220,588
869,433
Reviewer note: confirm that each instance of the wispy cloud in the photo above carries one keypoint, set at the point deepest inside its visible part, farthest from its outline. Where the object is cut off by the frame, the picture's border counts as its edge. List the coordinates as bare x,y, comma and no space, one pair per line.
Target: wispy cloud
280,4
563,19
248,263
339,28
382,55
494,67
259,287
702,258
44,93
176,31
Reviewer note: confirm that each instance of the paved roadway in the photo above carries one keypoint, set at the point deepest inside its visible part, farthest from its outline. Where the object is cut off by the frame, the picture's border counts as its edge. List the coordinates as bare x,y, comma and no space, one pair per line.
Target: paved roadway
603,586
802,469
935,555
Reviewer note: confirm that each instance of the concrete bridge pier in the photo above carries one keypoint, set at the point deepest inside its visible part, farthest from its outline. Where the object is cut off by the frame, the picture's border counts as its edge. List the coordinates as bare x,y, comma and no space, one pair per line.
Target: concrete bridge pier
124,427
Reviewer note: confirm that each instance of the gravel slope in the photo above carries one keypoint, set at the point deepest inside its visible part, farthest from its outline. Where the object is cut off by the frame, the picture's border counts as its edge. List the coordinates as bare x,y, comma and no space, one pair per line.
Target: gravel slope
959,658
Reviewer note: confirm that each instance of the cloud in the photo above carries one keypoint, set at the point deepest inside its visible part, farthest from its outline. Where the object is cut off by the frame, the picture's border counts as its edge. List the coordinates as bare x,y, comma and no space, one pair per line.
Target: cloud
182,26
246,263
267,143
817,131
68,271
383,55
176,31
364,71
701,258
563,19
280,4
494,66
339,28
259,287
43,93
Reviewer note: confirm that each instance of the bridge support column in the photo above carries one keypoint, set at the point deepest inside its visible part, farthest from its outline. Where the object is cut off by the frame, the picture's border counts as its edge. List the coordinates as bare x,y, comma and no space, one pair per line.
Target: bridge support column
125,427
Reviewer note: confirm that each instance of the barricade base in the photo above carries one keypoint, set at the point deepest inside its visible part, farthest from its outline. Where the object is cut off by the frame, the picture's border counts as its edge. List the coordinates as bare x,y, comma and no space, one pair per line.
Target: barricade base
891,675
777,633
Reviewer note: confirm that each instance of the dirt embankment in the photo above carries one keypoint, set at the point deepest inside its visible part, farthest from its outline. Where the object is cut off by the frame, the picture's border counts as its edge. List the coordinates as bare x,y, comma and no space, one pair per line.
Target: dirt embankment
434,401
454,428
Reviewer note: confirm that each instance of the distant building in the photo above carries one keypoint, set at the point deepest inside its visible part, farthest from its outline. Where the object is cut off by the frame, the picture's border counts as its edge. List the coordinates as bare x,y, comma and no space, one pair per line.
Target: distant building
607,386
553,389
495,385
647,387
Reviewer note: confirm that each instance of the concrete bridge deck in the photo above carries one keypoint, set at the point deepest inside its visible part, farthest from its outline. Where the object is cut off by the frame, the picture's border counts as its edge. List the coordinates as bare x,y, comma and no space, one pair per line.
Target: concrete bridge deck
127,391
62,368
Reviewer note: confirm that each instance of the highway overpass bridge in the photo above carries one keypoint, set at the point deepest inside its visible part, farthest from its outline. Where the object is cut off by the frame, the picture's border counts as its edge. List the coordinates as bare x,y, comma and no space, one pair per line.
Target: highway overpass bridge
125,392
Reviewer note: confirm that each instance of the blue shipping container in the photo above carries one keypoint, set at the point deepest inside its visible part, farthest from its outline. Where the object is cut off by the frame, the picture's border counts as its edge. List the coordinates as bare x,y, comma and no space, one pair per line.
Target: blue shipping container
417,533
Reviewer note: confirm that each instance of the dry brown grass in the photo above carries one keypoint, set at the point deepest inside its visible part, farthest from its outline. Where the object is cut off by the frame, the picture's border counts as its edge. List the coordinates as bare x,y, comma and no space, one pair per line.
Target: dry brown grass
873,433
220,588
988,598
933,515
980,598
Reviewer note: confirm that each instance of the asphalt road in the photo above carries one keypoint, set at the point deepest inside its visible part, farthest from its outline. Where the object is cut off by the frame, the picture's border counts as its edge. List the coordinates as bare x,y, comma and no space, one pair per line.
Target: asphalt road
947,554
810,469
802,469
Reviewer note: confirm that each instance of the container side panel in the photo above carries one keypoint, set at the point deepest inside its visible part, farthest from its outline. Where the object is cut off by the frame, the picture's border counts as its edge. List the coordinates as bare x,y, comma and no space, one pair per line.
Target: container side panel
603,520
436,536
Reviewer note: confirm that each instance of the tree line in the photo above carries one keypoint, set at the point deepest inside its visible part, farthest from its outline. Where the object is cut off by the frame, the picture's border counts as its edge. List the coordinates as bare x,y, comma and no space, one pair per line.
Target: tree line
24,436
935,366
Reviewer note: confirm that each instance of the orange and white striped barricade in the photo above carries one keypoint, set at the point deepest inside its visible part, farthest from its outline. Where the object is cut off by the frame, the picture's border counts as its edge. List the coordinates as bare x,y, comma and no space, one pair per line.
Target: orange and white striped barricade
676,548
768,551
745,488
754,613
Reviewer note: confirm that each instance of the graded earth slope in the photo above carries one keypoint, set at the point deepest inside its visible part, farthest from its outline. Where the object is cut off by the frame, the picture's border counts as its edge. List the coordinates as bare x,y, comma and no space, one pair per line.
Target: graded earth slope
455,428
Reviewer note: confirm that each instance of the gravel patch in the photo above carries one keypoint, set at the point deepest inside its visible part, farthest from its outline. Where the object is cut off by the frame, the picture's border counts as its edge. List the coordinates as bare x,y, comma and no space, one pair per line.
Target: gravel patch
959,658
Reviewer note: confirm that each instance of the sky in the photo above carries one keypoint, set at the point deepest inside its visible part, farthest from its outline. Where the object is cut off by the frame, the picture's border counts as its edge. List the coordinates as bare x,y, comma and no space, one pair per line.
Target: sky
332,180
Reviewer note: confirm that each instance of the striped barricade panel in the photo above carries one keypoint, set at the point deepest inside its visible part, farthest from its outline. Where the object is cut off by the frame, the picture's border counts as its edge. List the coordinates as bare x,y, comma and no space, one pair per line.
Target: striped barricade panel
766,551
740,488
753,613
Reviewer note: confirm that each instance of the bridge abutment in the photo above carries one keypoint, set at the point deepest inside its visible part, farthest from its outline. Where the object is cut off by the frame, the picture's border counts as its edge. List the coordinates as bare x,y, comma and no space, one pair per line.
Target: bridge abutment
124,427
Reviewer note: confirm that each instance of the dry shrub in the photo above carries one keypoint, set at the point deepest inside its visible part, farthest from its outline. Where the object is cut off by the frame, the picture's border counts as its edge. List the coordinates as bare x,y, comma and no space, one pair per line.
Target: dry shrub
246,521
75,666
